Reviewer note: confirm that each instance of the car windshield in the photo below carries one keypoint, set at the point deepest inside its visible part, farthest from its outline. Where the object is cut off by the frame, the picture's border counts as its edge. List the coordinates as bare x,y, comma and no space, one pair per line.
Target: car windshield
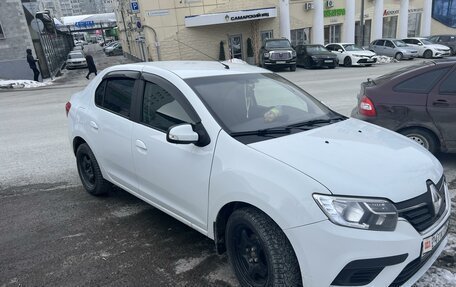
75,56
277,44
426,42
316,48
255,102
400,43
352,47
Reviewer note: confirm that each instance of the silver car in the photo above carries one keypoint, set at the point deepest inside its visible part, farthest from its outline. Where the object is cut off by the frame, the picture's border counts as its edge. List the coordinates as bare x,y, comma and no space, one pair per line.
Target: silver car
393,48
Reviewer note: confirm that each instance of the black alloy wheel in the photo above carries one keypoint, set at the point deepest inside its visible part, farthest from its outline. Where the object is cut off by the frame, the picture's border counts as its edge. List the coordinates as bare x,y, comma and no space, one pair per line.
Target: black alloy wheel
259,251
89,171
347,62
427,54
307,63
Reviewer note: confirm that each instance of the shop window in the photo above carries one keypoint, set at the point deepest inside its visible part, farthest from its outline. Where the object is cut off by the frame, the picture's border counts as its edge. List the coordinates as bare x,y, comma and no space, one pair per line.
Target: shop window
367,33
390,27
2,34
333,33
444,11
300,36
266,35
414,24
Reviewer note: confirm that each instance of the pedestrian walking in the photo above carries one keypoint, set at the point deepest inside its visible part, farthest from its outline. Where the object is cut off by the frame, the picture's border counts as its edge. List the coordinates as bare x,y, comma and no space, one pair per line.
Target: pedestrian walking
90,65
32,63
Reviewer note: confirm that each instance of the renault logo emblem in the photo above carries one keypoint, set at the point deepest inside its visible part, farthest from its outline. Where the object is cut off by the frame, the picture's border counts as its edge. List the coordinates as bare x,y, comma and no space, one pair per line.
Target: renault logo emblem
436,199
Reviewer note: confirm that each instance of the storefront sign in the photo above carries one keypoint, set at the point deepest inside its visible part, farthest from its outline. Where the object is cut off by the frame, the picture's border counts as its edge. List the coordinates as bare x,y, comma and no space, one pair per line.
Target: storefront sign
334,12
230,17
154,13
387,13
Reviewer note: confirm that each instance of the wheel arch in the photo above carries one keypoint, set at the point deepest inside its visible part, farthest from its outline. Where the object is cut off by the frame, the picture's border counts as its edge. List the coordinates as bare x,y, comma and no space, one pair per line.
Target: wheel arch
435,134
77,141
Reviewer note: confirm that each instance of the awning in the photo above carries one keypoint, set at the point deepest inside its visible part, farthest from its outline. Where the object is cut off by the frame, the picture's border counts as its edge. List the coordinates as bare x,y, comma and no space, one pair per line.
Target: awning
230,17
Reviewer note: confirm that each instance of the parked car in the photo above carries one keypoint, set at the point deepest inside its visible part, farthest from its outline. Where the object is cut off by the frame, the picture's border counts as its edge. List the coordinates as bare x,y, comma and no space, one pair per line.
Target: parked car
110,44
393,48
277,180
277,53
79,48
447,40
418,102
315,56
349,54
76,59
114,50
426,48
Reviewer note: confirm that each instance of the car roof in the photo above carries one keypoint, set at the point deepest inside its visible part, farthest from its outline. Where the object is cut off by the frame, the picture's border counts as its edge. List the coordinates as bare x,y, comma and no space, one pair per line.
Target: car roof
196,69
417,38
340,44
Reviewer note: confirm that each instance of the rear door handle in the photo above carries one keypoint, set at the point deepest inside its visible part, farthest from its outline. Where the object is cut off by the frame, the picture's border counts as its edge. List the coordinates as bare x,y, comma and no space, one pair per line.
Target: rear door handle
94,125
440,103
141,145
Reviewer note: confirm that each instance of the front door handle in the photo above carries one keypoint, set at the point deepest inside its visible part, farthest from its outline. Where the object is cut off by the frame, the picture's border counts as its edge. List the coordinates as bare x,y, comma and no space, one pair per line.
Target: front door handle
94,125
440,103
141,145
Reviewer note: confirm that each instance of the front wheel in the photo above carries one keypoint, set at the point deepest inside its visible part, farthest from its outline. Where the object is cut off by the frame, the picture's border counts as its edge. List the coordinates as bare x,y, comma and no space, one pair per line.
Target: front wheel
399,56
90,172
427,54
422,137
259,251
347,62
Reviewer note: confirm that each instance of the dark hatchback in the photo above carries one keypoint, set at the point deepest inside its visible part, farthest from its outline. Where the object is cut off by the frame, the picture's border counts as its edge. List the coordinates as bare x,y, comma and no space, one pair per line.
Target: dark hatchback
418,101
315,56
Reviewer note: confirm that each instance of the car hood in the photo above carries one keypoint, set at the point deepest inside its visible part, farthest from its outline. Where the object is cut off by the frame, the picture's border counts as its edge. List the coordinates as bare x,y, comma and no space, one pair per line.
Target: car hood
356,158
322,54
437,46
364,53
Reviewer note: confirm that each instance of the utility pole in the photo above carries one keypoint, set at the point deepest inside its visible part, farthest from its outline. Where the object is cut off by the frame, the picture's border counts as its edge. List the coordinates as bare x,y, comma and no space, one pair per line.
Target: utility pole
125,26
361,23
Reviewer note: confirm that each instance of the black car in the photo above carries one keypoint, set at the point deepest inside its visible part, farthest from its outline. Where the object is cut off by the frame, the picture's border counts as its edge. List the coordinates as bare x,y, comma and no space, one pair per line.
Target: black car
310,56
418,102
276,53
447,40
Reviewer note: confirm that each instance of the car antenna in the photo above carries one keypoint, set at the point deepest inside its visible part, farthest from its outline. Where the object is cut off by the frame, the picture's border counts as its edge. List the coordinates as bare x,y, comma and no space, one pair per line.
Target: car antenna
225,65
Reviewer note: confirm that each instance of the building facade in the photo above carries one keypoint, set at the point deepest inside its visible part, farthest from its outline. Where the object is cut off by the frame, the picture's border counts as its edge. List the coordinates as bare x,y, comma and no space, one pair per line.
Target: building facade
194,29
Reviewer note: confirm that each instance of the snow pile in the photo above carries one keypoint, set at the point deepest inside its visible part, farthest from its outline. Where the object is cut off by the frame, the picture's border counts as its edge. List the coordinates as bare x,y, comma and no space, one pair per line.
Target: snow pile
14,84
384,59
437,277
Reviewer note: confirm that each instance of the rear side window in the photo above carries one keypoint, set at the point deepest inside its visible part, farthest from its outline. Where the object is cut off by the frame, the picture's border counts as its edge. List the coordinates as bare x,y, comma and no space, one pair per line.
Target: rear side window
115,94
160,108
422,83
449,85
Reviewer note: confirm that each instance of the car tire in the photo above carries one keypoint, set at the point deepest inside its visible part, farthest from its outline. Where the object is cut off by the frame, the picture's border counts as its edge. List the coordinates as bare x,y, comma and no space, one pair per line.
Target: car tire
399,56
89,172
427,54
259,252
423,137
293,68
307,64
347,62
451,51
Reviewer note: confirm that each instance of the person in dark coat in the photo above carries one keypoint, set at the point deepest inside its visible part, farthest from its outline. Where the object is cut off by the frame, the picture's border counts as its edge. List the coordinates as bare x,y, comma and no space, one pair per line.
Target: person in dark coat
32,63
90,65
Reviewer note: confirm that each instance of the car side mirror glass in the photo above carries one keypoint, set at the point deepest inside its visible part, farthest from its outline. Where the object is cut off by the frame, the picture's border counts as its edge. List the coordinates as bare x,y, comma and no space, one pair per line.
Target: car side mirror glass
182,134
340,50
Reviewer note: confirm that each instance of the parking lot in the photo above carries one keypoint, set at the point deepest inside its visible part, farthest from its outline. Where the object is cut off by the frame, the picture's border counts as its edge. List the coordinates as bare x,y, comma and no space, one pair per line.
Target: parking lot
53,233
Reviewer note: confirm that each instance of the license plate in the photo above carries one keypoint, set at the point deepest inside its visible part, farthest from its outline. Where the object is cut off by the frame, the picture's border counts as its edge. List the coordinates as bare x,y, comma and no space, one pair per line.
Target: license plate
280,62
432,241
328,61
370,60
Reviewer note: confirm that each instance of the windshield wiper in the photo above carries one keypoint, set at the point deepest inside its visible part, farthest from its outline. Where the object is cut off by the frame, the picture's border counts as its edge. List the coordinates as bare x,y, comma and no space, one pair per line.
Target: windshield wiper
263,132
318,121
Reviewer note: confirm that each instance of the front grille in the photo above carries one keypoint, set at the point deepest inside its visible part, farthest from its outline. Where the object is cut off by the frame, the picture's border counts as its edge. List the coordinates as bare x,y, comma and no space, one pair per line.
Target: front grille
419,211
285,55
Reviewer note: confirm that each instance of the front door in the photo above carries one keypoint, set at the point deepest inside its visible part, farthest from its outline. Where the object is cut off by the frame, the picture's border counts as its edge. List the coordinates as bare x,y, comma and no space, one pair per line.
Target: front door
442,108
173,177
236,46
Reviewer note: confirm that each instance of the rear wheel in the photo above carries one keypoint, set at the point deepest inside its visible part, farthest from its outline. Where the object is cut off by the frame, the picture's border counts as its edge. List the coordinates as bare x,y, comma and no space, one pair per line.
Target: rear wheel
398,56
89,171
451,51
293,68
259,251
423,137
347,62
427,54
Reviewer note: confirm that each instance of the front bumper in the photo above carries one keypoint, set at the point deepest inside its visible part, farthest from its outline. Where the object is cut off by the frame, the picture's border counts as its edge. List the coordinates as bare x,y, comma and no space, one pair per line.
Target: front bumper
289,62
441,53
365,61
324,250
78,65
324,63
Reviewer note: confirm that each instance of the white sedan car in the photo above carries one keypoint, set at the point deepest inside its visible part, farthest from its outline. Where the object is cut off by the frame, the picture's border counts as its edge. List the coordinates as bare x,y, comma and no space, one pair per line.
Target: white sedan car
76,59
296,194
349,54
427,49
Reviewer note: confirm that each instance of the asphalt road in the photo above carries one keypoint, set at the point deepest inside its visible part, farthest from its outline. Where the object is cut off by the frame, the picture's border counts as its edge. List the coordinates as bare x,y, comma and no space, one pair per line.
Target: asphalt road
52,233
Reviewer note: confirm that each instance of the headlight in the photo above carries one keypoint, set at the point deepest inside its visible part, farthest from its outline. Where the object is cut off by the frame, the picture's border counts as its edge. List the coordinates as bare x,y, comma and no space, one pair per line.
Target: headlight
362,213
314,58
359,56
266,55
293,54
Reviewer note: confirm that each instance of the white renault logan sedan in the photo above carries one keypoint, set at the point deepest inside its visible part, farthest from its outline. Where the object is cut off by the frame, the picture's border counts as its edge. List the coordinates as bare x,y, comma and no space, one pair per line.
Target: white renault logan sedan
296,194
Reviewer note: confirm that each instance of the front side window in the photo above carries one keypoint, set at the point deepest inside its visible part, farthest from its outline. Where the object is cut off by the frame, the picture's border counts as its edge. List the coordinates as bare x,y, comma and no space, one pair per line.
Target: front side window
160,109
244,103
117,96
422,83
389,44
449,85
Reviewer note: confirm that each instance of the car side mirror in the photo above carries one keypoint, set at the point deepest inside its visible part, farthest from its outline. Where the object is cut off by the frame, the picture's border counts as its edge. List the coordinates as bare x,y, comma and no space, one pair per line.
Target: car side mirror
182,134
340,50
420,44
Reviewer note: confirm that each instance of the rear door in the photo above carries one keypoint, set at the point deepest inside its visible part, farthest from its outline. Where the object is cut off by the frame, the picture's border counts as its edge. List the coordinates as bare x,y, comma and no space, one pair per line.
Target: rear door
442,108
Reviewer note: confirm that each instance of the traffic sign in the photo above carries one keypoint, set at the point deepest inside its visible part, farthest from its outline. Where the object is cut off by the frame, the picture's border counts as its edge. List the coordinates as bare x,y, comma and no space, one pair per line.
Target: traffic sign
138,24
134,6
